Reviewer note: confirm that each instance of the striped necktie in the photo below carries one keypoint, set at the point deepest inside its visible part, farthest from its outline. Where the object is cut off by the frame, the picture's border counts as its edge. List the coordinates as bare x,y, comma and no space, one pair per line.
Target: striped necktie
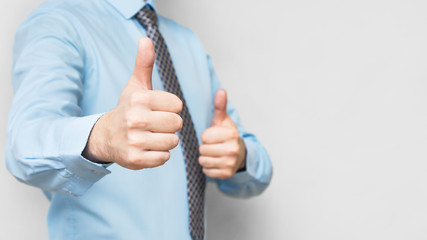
196,180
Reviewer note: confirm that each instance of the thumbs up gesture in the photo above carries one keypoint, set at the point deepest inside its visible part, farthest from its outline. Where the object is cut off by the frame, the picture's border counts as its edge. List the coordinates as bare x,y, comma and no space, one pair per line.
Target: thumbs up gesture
139,132
223,152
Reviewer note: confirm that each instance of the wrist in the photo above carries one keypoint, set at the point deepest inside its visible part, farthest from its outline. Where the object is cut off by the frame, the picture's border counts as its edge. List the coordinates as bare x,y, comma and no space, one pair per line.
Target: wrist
93,149
242,156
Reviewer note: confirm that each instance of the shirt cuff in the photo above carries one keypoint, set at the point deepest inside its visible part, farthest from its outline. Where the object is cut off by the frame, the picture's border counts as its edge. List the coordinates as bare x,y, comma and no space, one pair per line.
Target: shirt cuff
82,172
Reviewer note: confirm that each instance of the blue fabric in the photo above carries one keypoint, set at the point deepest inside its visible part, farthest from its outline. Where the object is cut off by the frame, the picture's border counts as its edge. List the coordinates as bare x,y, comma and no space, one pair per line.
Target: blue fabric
72,58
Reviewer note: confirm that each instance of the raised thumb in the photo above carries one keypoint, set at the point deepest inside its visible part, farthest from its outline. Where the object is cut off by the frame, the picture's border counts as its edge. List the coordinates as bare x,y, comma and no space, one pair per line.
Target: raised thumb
220,107
144,63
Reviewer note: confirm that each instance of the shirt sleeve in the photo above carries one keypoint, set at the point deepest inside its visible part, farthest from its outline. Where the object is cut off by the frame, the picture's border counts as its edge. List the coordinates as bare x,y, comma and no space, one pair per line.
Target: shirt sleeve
257,175
46,130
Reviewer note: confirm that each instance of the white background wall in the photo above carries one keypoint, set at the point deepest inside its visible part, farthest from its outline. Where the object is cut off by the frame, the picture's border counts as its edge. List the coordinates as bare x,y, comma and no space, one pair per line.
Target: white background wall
337,92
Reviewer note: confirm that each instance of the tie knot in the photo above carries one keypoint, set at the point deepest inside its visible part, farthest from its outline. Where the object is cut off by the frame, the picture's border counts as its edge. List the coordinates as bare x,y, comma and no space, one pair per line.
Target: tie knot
147,17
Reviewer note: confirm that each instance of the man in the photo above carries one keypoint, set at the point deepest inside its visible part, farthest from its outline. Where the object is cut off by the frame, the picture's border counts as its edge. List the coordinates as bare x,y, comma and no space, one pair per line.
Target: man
85,118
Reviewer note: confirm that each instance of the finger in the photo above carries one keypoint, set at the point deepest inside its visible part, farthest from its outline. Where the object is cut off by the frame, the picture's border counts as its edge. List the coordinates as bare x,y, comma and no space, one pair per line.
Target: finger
146,159
218,173
211,162
164,101
155,158
153,141
162,141
219,149
144,64
219,135
220,107
164,122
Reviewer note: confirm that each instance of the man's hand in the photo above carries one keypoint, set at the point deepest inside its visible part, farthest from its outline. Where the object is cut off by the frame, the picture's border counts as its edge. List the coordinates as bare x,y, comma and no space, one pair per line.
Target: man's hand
139,132
223,152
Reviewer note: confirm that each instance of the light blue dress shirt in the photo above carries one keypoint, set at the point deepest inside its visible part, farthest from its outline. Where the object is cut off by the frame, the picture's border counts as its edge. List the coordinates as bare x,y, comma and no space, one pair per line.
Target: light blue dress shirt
72,58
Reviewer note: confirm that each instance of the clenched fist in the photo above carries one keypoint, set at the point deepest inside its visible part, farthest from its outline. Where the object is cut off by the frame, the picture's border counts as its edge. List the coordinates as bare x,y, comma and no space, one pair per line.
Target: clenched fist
139,132
223,152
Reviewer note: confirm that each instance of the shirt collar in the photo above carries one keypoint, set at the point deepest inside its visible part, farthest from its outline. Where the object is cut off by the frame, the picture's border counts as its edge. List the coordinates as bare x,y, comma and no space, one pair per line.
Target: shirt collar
128,8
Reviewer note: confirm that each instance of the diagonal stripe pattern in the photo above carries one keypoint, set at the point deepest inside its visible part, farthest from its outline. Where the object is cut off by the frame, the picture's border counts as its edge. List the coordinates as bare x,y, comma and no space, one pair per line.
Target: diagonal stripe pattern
196,180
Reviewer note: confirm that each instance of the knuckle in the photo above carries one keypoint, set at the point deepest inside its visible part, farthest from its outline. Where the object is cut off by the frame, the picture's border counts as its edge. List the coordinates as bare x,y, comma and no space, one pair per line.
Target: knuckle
230,164
133,167
143,122
135,140
204,162
159,162
136,165
222,177
133,160
164,158
130,120
160,159
227,174
139,98
234,134
204,136
131,140
133,121
233,150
